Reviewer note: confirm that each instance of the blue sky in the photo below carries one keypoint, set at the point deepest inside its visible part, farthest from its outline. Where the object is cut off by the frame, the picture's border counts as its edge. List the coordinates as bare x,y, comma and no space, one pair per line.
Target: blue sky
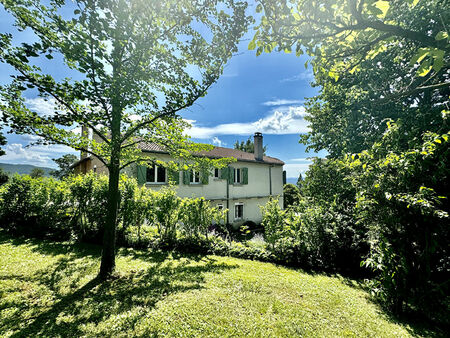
264,93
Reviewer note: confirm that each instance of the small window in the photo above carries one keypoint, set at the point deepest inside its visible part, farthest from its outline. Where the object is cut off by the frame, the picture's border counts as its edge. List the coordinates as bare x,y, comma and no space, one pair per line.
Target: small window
220,207
95,168
238,211
156,174
237,175
216,173
194,177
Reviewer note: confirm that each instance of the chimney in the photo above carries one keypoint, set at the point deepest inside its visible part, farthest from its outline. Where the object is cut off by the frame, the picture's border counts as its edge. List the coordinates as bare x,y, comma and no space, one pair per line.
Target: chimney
84,133
258,142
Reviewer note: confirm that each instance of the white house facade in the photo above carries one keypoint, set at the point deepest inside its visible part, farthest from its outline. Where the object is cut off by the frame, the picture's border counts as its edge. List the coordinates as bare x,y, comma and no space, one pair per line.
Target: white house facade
241,187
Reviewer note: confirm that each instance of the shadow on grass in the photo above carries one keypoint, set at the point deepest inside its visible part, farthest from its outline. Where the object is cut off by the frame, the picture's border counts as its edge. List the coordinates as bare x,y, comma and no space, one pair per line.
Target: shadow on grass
133,294
417,325
60,305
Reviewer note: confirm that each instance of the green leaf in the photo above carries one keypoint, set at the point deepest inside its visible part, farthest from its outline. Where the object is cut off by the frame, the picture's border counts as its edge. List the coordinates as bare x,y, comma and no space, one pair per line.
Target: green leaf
419,56
441,35
259,50
252,45
383,6
438,60
424,68
259,8
296,16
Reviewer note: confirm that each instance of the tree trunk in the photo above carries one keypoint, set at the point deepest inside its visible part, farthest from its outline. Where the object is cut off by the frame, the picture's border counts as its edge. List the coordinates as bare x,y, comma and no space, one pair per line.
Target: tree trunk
109,238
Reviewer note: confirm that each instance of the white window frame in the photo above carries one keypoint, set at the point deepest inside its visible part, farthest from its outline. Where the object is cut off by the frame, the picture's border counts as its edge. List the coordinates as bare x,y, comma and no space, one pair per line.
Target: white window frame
236,181
156,167
236,217
192,177
216,170
220,206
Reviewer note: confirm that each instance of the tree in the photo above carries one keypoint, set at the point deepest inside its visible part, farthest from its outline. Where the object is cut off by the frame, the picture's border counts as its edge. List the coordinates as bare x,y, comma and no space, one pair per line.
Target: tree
291,195
138,64
3,177
382,114
37,173
374,61
248,146
300,181
64,163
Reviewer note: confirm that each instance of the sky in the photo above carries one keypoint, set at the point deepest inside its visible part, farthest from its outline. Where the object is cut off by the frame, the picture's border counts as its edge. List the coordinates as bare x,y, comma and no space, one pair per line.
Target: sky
255,94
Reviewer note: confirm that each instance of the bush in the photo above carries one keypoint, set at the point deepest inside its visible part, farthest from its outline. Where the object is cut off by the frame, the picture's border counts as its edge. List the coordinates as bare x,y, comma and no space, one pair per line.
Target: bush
291,195
404,200
35,207
197,215
3,177
88,199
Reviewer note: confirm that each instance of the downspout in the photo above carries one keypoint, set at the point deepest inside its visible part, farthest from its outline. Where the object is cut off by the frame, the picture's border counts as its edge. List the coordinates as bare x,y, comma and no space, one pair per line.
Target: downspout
228,198
270,179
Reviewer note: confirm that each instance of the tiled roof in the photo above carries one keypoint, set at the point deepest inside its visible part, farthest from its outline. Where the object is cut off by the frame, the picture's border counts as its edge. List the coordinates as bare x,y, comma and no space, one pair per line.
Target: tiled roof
216,152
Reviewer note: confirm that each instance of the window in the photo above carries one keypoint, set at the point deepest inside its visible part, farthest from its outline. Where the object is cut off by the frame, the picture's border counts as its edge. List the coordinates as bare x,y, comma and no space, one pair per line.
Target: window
239,211
220,207
194,177
237,175
216,173
156,174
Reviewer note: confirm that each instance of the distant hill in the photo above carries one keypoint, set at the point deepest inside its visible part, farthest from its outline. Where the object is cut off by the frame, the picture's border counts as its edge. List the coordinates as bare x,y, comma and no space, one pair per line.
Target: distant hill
22,168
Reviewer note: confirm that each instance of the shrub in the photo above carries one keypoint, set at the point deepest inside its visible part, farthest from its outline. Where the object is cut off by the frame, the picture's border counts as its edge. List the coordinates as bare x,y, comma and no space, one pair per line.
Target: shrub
88,198
197,215
3,177
291,195
404,200
35,207
134,211
273,218
165,209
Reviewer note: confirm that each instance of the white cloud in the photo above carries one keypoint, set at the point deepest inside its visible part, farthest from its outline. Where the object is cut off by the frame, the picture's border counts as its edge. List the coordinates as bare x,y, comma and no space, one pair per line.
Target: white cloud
16,153
301,159
304,76
294,169
281,102
40,155
285,120
41,106
215,140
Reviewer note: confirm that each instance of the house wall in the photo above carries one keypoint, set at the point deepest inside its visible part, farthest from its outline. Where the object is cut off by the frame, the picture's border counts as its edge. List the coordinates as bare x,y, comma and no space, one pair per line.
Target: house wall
88,165
264,180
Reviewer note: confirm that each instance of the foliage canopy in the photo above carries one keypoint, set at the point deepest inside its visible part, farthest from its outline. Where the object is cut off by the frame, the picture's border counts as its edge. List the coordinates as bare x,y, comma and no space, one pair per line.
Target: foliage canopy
138,63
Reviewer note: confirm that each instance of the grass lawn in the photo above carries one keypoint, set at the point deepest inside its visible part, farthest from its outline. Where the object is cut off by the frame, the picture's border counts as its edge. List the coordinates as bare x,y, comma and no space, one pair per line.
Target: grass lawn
49,289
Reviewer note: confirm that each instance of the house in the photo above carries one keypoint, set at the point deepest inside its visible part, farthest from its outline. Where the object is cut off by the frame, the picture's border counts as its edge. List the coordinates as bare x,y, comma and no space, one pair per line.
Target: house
242,187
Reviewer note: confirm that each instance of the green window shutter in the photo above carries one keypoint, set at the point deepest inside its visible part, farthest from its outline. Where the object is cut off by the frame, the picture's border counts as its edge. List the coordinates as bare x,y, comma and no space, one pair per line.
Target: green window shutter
174,176
186,177
224,173
232,173
245,175
204,176
284,177
141,174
